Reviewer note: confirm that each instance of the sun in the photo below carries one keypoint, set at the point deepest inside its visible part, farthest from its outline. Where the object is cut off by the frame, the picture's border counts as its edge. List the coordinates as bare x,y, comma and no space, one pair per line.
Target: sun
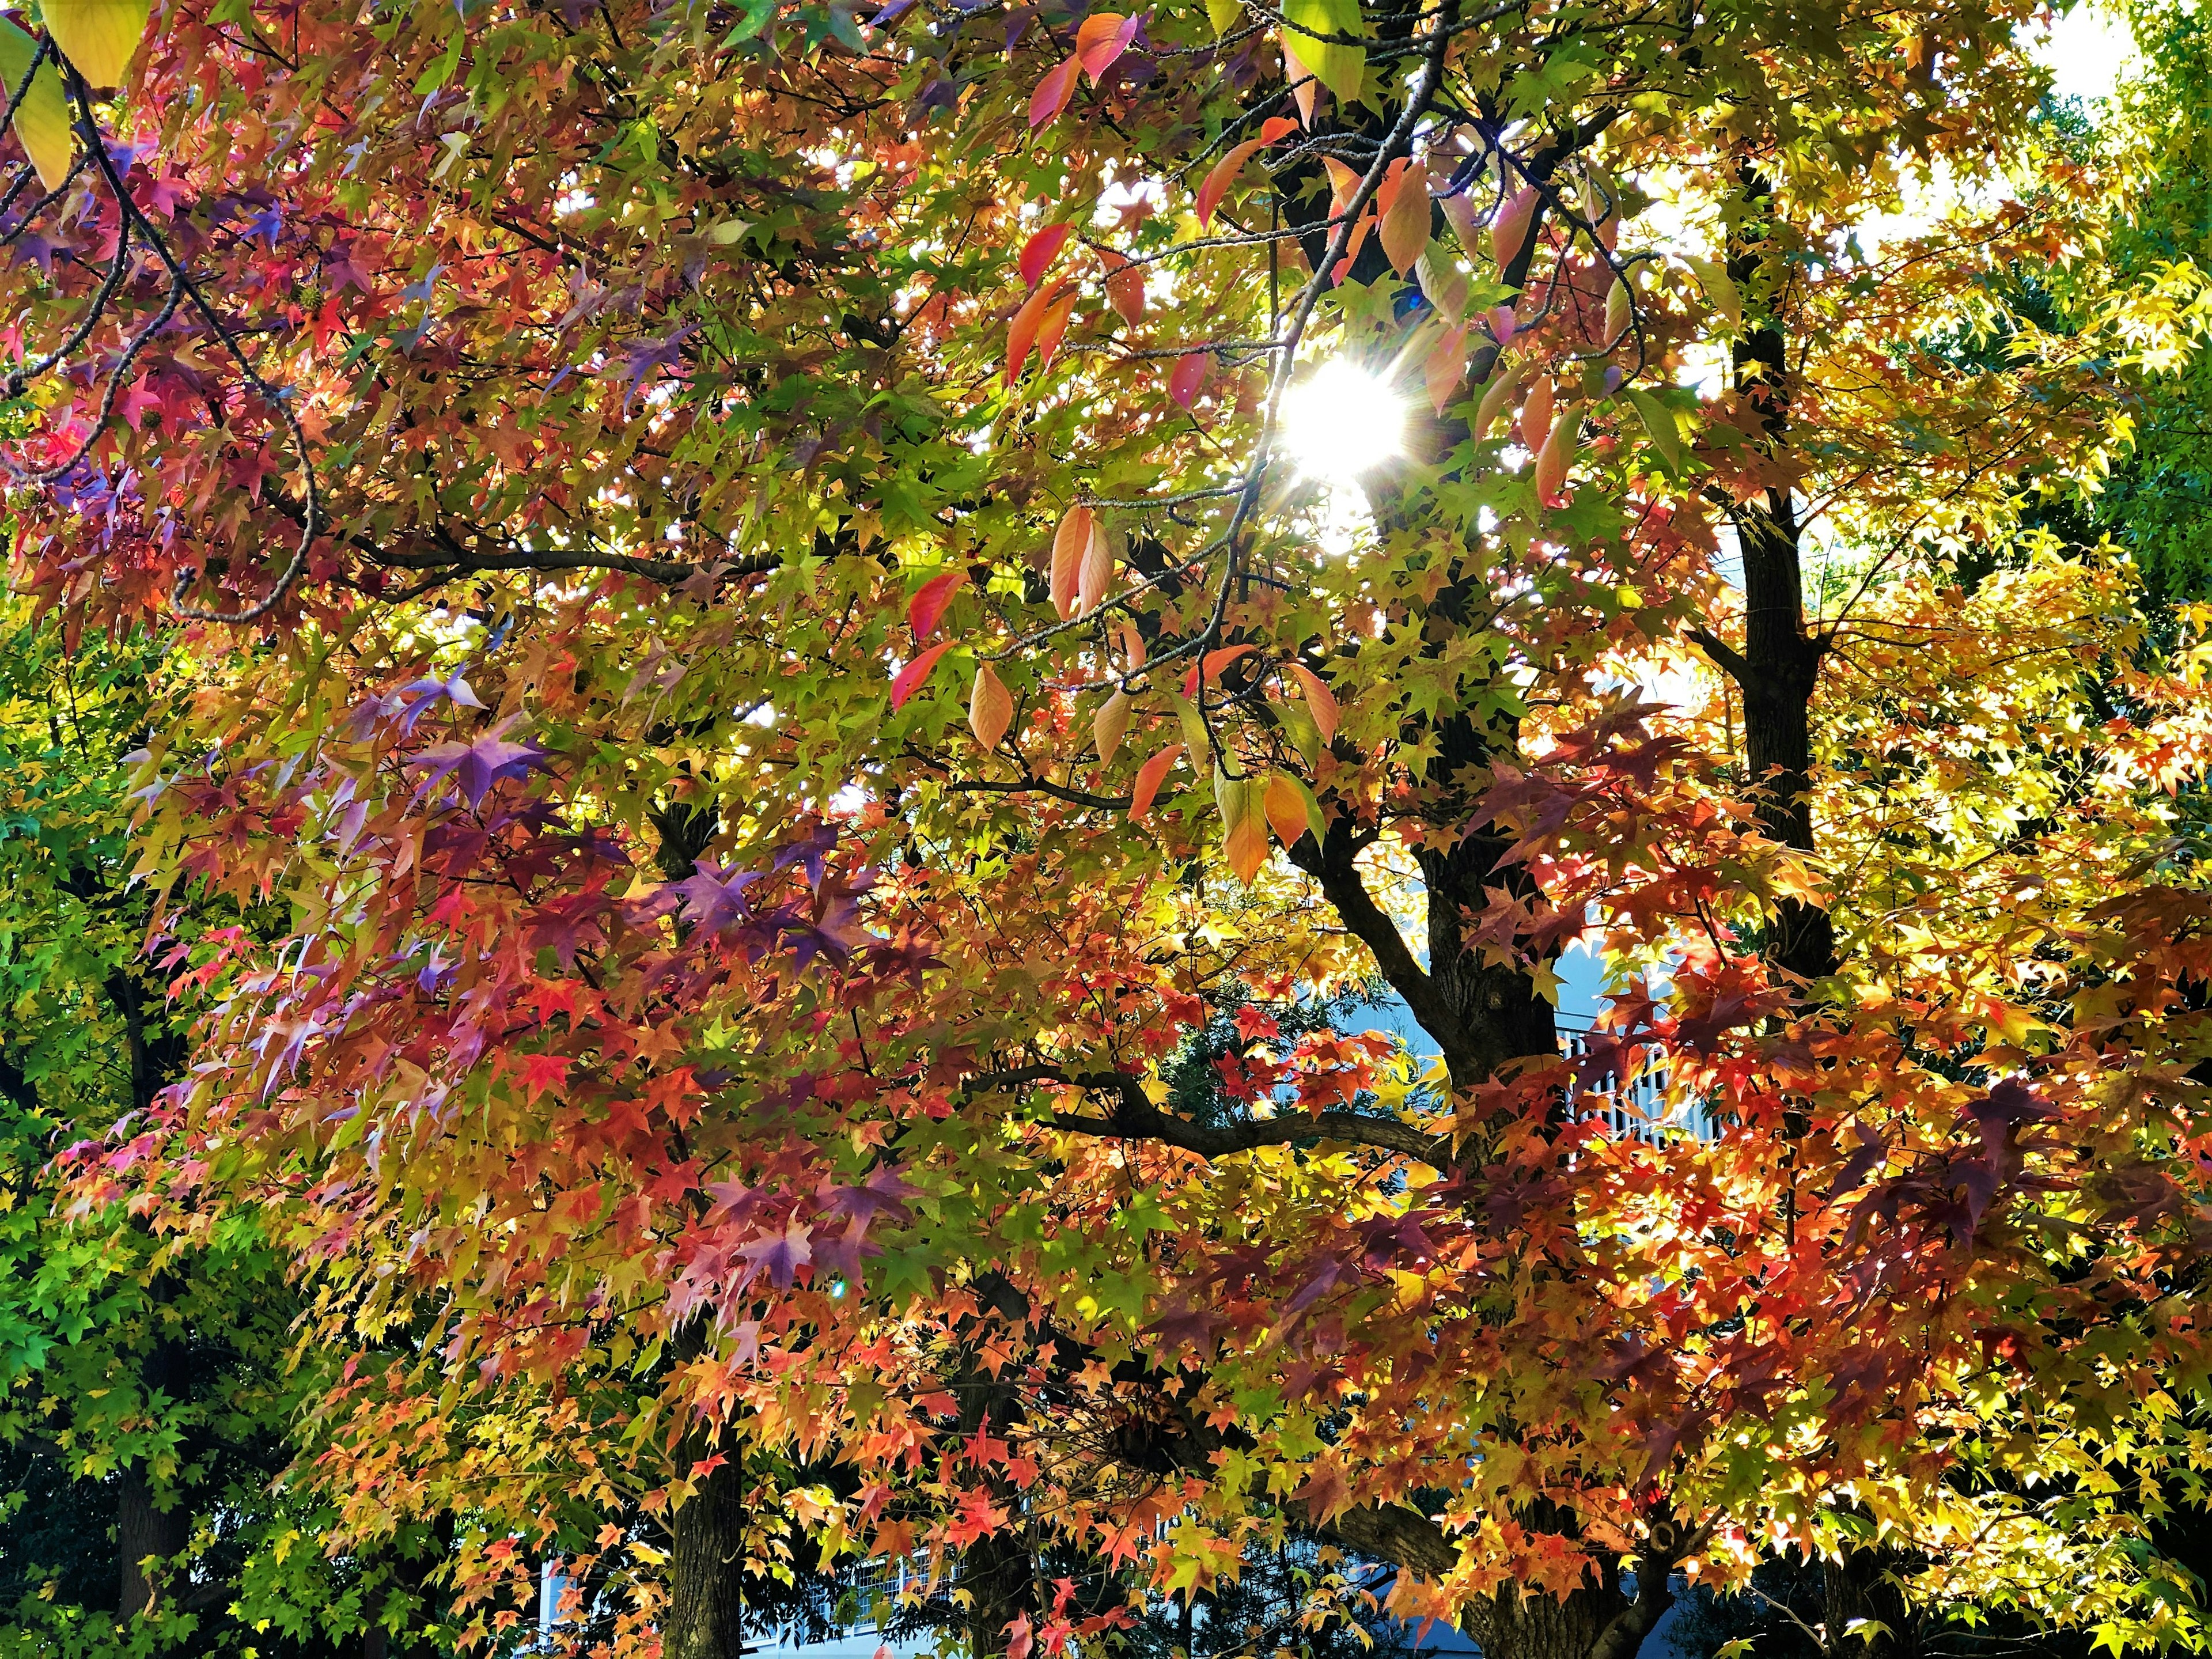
1342,422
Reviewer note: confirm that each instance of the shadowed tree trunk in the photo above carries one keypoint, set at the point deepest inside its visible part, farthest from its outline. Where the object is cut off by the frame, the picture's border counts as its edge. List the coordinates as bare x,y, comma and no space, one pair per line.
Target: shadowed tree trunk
706,1590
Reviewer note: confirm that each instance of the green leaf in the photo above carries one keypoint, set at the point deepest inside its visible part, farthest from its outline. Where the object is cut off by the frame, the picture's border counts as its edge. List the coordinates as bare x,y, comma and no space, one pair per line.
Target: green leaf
1659,421
42,120
1341,68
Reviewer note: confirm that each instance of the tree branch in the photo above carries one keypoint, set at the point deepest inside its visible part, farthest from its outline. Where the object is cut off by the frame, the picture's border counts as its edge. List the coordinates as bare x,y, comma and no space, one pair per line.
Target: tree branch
1332,866
1135,1117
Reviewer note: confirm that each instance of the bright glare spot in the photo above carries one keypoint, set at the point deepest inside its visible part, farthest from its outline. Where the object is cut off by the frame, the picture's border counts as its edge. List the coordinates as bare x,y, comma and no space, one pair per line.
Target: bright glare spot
1342,421
2089,51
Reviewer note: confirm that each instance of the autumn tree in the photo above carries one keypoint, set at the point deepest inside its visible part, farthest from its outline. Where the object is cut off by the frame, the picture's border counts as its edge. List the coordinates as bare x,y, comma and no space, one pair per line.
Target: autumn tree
764,614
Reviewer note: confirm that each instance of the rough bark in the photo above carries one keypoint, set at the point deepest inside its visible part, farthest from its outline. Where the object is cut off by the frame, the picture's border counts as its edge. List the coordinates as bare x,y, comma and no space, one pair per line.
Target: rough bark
706,1591
1779,665
145,1530
150,1523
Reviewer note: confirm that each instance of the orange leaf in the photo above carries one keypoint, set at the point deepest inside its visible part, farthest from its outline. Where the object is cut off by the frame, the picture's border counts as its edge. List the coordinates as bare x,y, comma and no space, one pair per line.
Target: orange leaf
1245,821
1097,574
1537,415
1446,365
1406,220
1276,126
1149,776
1386,191
1223,174
930,599
990,709
1040,250
1102,39
1052,328
1556,456
1343,184
1133,644
1022,331
1208,669
909,680
1069,544
1318,700
1052,94
1125,286
1286,810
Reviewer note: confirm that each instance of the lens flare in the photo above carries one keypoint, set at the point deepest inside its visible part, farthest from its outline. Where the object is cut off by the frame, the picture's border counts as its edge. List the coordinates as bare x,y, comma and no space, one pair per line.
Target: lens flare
1341,422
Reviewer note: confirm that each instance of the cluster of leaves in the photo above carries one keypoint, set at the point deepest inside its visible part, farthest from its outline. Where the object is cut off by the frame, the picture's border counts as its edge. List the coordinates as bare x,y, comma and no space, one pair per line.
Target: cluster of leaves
797,696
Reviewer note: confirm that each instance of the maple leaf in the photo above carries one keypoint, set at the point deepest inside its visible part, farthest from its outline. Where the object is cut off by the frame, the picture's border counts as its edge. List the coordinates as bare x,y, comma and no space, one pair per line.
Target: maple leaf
476,766
781,1254
882,1193
713,895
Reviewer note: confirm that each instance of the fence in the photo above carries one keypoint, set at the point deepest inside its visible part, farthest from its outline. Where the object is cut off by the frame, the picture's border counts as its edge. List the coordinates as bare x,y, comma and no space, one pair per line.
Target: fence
1639,1106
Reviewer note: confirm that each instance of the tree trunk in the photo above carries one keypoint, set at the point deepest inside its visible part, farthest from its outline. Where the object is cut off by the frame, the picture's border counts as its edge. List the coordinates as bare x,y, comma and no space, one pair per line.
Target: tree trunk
1780,665
143,1529
706,1591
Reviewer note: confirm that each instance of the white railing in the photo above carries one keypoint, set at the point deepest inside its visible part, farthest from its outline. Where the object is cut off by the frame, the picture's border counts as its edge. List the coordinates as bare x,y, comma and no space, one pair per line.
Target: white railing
1639,1108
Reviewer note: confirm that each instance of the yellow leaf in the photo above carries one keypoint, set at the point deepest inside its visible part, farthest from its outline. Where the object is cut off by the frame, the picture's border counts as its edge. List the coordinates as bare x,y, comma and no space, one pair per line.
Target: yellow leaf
42,120
1720,288
1618,312
1110,724
1243,823
1342,68
97,36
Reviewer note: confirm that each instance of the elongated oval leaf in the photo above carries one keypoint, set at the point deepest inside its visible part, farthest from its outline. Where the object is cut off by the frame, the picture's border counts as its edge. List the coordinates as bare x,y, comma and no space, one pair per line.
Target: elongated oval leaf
1110,725
910,678
42,123
1149,778
1243,823
1286,809
990,709
1042,249
1069,544
97,36
1556,456
929,600
1537,415
1319,700
1096,577
1508,233
1223,175
1052,93
1721,291
1659,423
1405,222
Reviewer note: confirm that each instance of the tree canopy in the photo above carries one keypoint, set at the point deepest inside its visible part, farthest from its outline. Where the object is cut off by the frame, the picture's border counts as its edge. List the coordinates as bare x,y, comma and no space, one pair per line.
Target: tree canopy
794,678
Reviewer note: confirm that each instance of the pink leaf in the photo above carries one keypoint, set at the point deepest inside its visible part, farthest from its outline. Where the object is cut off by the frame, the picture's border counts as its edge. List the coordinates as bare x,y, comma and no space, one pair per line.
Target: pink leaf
930,599
909,679
1188,376
1052,94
